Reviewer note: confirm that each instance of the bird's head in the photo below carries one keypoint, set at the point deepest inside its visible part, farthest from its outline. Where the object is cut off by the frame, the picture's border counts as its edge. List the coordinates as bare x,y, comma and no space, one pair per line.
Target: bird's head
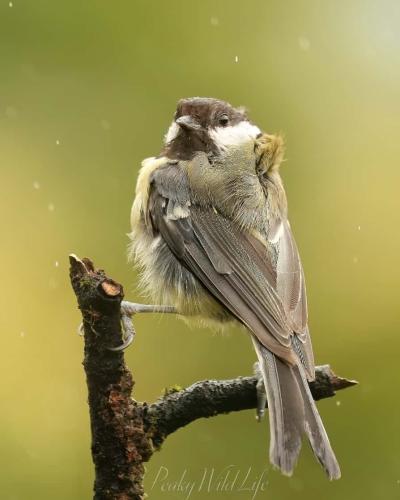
208,125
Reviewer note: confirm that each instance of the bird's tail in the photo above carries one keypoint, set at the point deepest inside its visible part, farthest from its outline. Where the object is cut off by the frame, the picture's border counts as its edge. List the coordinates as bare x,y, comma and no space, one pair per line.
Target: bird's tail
292,413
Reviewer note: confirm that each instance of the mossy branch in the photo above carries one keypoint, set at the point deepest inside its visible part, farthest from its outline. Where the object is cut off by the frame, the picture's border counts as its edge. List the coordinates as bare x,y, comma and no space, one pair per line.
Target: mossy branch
125,433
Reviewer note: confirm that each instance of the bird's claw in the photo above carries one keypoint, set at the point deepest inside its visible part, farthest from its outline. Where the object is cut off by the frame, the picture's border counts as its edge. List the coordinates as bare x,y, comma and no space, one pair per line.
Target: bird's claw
261,393
127,311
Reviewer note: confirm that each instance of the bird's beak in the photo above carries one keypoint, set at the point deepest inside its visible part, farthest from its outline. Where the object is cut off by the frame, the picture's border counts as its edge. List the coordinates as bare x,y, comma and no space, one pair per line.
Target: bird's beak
188,123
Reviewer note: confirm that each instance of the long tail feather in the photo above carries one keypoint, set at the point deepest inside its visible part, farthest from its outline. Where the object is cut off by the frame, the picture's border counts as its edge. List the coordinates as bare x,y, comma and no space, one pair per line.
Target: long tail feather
315,429
292,413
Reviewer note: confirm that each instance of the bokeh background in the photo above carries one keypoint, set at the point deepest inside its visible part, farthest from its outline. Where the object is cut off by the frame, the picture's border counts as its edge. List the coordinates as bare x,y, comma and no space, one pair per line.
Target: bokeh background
87,90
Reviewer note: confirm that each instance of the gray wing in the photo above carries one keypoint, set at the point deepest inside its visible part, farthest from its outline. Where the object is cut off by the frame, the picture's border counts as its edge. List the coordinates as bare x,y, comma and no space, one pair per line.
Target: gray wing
292,291
231,264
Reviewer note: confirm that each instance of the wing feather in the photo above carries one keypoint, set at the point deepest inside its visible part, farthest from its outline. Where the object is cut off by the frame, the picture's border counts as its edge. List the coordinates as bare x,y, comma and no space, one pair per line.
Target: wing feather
291,288
235,268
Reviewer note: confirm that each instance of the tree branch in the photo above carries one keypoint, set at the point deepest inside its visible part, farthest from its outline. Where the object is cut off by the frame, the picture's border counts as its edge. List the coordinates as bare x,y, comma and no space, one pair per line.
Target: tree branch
208,398
119,444
125,432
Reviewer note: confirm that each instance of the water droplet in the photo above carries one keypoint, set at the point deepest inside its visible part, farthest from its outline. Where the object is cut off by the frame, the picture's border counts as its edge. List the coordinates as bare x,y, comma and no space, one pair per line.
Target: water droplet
214,21
359,228
10,4
57,142
22,335
56,263
236,59
51,207
338,403
36,185
304,43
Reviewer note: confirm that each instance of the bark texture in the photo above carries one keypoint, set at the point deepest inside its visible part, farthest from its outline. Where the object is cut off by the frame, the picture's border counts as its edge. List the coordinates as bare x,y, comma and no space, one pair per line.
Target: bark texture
125,433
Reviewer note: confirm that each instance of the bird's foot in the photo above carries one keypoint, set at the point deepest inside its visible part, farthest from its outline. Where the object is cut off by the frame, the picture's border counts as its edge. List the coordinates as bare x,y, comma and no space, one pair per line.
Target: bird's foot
261,393
129,309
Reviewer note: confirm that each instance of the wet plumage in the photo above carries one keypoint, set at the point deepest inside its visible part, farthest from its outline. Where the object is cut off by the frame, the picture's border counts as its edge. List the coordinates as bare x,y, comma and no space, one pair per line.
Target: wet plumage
211,234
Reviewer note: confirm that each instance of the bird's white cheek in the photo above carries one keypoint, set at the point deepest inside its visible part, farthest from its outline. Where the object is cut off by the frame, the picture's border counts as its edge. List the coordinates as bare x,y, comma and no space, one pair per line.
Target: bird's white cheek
225,137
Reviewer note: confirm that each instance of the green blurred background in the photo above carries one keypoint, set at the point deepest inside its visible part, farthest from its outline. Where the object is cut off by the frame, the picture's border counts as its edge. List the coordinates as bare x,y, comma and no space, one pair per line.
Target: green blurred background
87,90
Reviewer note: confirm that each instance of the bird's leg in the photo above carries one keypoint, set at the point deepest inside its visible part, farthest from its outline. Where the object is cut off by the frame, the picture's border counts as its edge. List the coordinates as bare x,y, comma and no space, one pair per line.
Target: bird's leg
261,393
129,309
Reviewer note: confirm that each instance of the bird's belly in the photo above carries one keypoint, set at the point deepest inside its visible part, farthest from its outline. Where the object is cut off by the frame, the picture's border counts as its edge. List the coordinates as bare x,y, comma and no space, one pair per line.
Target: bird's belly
166,281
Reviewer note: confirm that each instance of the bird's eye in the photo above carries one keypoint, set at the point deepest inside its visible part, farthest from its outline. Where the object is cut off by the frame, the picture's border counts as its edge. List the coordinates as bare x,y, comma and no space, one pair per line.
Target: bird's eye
223,120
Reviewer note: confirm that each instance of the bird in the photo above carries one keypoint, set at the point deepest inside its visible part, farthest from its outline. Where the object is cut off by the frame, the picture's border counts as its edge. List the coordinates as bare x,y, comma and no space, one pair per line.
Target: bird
211,236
